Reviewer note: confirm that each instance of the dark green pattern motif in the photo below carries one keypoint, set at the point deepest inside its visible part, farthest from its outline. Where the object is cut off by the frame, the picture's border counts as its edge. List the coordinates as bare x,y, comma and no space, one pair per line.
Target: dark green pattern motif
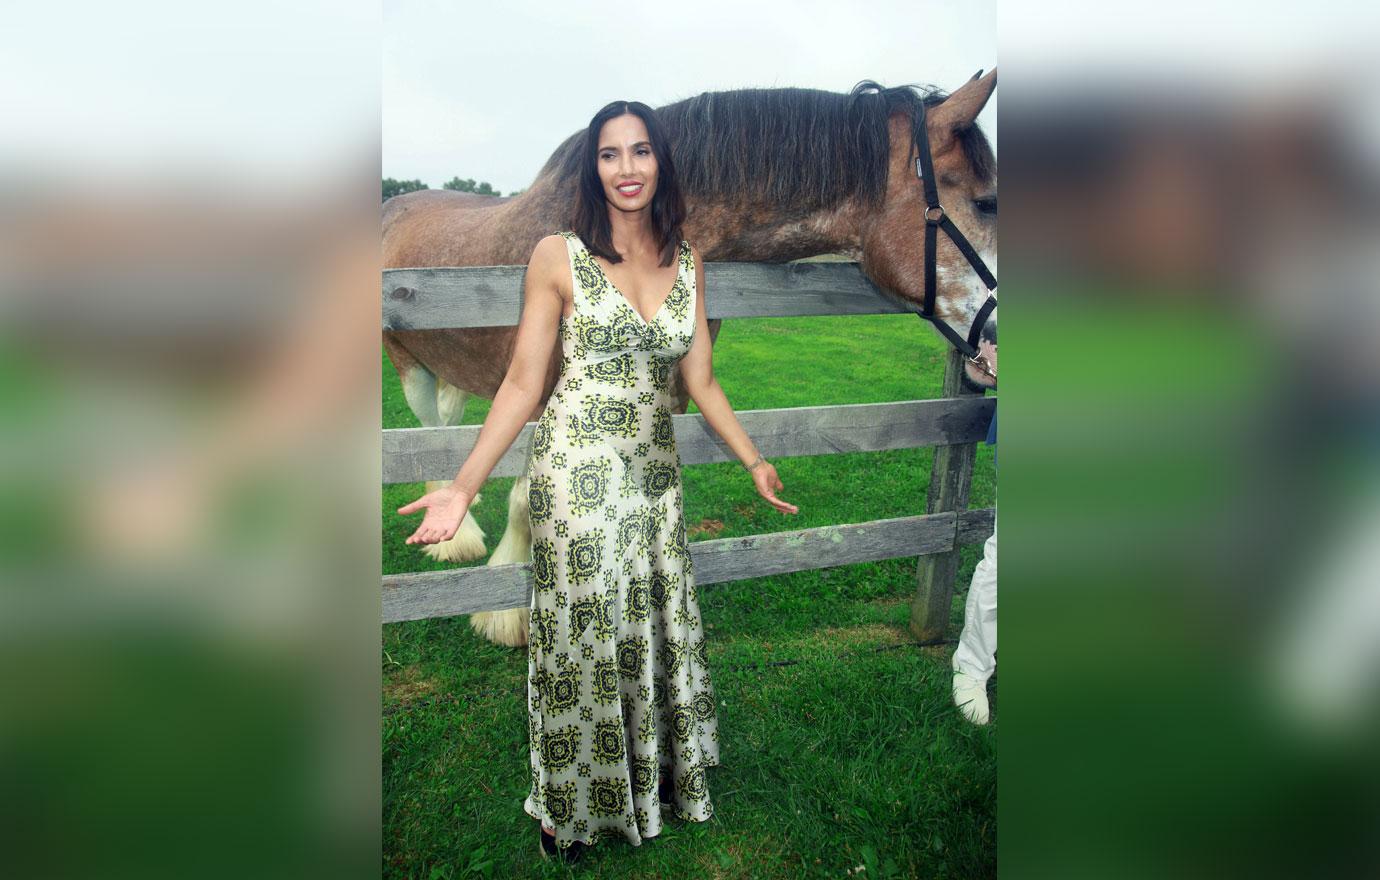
639,603
589,275
633,531
703,706
662,586
592,337
627,485
560,747
644,778
612,415
560,803
541,434
540,498
657,478
595,610
543,564
678,304
589,483
682,721
607,796
608,741
632,656
661,373
619,690
543,629
586,552
563,691
663,433
620,371
604,682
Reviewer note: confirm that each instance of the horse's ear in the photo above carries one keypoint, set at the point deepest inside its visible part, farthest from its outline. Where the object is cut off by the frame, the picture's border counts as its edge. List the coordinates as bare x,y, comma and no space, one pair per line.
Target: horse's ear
962,107
976,75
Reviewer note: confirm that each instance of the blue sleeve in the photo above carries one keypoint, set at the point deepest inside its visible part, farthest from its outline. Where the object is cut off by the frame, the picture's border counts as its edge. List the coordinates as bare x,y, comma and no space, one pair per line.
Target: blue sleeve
992,436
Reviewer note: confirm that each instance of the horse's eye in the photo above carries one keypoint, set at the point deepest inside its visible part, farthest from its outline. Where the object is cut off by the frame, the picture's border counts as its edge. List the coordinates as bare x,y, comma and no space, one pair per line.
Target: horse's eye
986,205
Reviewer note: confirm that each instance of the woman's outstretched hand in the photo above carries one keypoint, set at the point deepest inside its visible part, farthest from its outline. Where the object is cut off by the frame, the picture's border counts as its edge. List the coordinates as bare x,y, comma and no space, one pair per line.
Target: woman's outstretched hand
445,509
764,477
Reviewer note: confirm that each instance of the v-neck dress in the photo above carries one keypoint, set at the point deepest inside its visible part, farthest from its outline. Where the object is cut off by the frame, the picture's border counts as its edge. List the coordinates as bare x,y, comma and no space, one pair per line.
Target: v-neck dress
618,676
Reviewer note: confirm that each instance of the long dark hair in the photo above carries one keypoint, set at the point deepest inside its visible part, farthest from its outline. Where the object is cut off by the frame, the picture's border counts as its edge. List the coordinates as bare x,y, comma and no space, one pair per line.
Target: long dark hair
591,208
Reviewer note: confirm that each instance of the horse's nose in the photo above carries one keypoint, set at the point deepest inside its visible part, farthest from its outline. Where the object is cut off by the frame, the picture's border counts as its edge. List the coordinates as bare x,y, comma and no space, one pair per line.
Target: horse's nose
989,329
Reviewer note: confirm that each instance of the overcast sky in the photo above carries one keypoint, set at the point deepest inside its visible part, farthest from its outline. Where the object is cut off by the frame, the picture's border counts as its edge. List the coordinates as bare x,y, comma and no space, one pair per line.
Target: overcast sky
488,91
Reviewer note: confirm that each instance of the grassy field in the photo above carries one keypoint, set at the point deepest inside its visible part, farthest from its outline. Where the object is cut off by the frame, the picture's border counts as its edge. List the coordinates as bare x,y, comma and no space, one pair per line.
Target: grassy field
840,746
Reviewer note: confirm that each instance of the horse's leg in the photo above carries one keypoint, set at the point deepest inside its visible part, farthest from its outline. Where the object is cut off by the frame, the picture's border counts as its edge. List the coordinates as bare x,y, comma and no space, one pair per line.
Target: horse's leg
468,541
509,627
437,404
450,402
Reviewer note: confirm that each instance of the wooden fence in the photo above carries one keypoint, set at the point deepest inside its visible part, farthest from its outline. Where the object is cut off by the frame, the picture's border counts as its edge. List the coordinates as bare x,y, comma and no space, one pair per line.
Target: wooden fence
424,299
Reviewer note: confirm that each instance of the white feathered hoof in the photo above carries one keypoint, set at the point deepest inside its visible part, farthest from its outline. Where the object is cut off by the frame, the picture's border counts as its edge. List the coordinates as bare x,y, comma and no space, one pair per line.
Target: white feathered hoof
467,543
508,627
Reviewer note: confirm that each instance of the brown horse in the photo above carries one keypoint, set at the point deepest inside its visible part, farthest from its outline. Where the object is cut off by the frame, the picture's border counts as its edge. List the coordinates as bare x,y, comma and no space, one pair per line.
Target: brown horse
768,175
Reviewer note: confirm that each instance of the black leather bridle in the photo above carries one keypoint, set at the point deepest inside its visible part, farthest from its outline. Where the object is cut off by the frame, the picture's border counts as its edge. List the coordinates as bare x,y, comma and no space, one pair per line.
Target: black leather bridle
936,219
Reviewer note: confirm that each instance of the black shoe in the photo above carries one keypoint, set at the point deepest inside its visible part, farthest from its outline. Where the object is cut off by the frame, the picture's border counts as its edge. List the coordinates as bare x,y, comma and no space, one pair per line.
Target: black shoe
549,850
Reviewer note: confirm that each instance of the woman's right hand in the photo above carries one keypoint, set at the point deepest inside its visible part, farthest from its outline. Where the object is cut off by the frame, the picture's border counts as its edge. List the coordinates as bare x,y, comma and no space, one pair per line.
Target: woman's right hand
445,508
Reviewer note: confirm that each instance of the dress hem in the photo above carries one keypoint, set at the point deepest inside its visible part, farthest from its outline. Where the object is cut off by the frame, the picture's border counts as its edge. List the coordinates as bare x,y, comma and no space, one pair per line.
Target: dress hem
679,814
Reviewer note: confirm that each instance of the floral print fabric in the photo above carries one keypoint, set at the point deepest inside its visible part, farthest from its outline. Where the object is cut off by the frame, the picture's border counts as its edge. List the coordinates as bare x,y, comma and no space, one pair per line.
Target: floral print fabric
618,678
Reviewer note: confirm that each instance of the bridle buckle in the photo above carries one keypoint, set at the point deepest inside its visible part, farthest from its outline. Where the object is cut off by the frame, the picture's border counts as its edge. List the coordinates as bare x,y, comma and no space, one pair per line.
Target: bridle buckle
980,363
937,217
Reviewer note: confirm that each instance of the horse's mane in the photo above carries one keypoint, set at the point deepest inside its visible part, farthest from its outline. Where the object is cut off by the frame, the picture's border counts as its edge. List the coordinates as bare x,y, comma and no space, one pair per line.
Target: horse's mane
804,147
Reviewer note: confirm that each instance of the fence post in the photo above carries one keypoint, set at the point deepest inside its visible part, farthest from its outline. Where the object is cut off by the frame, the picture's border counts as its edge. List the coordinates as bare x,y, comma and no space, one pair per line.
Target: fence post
950,479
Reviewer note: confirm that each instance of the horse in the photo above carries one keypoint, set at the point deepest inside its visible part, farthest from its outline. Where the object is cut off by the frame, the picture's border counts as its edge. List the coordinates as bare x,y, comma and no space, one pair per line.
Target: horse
768,175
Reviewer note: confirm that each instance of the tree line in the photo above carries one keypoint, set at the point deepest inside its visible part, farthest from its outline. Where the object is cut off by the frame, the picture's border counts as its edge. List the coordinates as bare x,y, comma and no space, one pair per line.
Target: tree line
393,187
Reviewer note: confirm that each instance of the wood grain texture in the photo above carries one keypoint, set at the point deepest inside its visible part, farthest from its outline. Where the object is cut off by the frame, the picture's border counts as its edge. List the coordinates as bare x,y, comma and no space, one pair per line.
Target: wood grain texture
491,296
412,455
424,595
950,479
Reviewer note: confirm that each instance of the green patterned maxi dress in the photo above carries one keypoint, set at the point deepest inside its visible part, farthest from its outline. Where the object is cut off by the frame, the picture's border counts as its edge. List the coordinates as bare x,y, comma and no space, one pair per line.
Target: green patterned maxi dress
618,678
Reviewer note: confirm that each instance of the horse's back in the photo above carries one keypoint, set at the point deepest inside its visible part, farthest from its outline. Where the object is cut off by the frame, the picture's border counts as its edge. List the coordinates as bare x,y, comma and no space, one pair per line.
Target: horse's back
428,226
432,199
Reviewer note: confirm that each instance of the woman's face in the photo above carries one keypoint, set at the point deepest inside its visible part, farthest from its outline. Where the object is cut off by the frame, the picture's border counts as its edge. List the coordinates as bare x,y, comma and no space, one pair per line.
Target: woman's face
627,166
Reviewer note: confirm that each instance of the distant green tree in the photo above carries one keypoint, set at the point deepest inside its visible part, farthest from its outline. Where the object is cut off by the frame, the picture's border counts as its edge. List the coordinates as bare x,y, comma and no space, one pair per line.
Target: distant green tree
516,192
469,186
393,187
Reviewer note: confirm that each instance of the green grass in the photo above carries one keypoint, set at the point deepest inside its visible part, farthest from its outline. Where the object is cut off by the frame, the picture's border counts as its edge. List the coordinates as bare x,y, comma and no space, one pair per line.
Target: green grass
854,755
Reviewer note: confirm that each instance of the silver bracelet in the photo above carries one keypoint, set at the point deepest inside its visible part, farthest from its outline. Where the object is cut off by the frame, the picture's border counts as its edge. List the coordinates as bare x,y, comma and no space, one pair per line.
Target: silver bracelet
748,467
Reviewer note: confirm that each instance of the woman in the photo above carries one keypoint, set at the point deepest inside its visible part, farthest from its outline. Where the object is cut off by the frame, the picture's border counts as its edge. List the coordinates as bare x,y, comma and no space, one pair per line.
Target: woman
618,685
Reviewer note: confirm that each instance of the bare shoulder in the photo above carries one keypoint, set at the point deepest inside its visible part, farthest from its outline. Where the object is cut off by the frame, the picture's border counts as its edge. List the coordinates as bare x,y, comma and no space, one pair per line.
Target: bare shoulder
549,251
549,258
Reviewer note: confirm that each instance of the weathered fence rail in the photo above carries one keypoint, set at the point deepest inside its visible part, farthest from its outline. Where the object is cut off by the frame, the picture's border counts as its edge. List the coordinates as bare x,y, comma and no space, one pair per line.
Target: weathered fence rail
438,298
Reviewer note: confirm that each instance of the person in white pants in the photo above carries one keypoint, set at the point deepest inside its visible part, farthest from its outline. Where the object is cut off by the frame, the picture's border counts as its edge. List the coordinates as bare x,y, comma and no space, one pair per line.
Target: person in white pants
976,657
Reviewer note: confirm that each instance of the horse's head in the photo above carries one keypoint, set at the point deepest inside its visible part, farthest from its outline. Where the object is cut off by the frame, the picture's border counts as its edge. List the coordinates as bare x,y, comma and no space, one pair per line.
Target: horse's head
965,173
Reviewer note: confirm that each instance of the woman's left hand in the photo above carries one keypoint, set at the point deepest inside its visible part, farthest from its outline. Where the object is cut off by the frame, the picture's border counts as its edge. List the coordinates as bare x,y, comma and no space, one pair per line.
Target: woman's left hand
767,483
